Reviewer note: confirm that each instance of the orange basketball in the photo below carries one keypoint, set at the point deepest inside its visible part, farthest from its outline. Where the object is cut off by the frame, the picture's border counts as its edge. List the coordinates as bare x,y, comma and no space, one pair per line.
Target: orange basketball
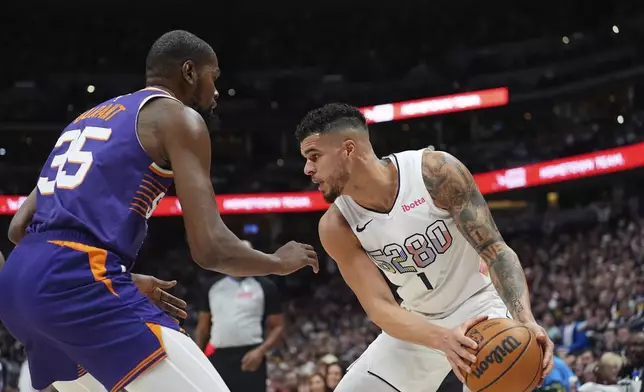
509,358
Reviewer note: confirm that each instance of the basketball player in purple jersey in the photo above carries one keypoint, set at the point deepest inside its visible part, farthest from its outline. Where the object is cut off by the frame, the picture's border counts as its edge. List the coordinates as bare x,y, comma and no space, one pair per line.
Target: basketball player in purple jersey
67,292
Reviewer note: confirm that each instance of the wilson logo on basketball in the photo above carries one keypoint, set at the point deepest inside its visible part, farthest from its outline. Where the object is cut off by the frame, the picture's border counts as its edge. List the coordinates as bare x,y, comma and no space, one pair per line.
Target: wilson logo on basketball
496,356
412,205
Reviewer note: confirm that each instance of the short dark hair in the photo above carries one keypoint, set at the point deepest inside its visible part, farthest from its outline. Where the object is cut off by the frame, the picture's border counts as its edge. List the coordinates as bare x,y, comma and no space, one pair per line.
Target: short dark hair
174,48
330,117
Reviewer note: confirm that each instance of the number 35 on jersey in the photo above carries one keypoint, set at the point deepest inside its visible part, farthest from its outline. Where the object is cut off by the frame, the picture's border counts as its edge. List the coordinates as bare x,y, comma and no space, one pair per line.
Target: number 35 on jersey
74,154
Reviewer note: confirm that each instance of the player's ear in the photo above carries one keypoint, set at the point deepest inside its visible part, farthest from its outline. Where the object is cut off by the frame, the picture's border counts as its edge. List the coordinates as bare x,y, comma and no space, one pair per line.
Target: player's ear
349,147
189,72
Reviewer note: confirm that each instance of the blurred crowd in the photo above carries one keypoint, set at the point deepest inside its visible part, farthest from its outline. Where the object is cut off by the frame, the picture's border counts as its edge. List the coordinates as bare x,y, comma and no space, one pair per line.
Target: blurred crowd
585,268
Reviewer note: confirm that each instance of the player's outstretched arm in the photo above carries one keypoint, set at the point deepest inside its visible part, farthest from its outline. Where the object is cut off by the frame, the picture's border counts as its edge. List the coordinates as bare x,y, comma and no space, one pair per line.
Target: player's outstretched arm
22,218
185,144
453,188
362,275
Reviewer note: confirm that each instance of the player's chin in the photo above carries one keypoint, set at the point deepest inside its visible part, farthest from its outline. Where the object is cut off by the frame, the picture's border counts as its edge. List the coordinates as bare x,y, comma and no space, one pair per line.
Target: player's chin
329,196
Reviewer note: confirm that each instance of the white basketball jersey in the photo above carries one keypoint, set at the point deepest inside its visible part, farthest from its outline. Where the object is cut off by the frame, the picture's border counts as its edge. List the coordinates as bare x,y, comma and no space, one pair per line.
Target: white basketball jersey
417,244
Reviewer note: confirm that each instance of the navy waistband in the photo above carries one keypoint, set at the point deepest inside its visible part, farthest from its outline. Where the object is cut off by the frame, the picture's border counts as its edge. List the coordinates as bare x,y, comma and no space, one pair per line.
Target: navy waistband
72,236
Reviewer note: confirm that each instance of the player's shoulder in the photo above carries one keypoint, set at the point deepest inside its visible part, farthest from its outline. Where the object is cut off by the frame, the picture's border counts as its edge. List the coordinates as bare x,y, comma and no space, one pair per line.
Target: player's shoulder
332,220
167,112
334,230
436,161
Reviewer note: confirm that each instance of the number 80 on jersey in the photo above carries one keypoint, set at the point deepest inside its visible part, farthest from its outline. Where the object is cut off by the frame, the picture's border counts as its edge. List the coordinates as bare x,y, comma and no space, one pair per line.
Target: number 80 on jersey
419,250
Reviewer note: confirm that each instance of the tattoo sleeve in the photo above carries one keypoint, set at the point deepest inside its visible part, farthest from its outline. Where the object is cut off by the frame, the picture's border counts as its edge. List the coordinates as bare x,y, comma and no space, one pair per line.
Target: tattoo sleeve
453,188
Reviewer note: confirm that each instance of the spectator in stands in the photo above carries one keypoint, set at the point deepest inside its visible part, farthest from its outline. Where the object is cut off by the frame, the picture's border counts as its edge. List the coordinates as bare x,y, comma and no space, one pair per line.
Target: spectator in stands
606,372
554,332
623,336
334,373
290,382
608,342
633,370
561,379
626,315
584,366
303,384
597,324
586,358
317,383
240,320
589,374
574,333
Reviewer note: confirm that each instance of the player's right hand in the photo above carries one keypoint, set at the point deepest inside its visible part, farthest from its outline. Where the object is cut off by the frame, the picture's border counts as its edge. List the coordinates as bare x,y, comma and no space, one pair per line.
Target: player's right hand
294,256
455,345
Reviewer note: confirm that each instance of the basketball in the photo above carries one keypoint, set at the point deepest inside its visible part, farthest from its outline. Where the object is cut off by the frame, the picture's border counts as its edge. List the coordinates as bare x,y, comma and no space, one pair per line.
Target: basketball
508,359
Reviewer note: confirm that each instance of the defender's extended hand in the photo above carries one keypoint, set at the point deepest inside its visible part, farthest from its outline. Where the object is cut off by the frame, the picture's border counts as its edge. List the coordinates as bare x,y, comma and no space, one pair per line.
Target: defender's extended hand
154,289
294,256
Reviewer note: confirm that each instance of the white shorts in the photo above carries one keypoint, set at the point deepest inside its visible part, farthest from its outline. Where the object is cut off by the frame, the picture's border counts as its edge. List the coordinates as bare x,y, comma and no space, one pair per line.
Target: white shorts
390,364
186,369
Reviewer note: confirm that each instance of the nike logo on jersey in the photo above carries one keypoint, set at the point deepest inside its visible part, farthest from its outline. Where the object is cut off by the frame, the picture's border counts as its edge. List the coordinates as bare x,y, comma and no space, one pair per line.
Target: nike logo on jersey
361,229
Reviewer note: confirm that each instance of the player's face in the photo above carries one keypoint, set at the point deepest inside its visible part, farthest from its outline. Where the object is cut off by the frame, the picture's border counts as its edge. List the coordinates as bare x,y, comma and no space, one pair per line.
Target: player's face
203,93
327,163
206,94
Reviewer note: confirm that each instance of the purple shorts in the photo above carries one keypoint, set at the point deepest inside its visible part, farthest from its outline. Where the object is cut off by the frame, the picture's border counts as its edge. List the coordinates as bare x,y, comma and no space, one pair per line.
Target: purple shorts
76,310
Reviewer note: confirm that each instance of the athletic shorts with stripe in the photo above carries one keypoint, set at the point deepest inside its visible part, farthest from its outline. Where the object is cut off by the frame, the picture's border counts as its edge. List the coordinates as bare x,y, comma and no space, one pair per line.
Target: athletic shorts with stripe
76,310
393,365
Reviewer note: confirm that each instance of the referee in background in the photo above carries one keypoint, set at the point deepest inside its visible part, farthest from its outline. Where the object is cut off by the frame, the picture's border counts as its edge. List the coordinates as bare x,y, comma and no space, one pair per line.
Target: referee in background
240,320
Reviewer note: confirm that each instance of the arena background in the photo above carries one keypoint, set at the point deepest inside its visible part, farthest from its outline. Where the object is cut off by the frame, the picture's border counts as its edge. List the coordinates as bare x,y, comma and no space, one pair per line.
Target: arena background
544,101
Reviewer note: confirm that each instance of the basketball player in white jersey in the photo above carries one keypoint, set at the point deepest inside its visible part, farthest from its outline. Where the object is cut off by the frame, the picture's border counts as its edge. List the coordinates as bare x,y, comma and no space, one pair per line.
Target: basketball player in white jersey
419,217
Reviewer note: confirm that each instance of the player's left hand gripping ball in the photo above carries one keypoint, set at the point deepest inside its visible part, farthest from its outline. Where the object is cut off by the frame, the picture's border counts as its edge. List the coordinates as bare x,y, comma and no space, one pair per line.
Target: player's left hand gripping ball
548,349
154,289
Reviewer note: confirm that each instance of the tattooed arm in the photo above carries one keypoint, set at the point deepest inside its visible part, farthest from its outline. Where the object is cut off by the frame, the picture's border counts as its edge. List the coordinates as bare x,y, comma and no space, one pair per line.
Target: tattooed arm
452,188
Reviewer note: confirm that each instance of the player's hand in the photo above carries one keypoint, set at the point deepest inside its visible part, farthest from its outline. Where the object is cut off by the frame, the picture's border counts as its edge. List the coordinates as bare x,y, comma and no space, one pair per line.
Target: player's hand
154,289
548,348
294,256
252,360
455,344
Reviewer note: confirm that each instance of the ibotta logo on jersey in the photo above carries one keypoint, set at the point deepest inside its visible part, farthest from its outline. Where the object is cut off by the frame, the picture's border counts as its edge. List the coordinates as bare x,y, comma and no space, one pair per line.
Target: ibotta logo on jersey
412,205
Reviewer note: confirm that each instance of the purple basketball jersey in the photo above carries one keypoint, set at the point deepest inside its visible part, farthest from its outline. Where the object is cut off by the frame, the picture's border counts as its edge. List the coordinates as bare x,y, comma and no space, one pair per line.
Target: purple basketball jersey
99,180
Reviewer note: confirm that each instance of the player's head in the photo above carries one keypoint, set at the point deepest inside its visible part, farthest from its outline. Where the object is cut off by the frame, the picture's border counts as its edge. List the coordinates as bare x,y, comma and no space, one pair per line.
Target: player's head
332,139
188,66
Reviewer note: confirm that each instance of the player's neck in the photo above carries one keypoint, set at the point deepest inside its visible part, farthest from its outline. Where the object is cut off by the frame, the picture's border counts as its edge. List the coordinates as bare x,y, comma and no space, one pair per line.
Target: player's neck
158,84
376,185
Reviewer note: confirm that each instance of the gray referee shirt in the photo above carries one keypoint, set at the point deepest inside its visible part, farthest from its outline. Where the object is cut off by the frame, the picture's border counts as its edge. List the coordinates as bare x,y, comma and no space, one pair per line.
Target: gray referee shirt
239,308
